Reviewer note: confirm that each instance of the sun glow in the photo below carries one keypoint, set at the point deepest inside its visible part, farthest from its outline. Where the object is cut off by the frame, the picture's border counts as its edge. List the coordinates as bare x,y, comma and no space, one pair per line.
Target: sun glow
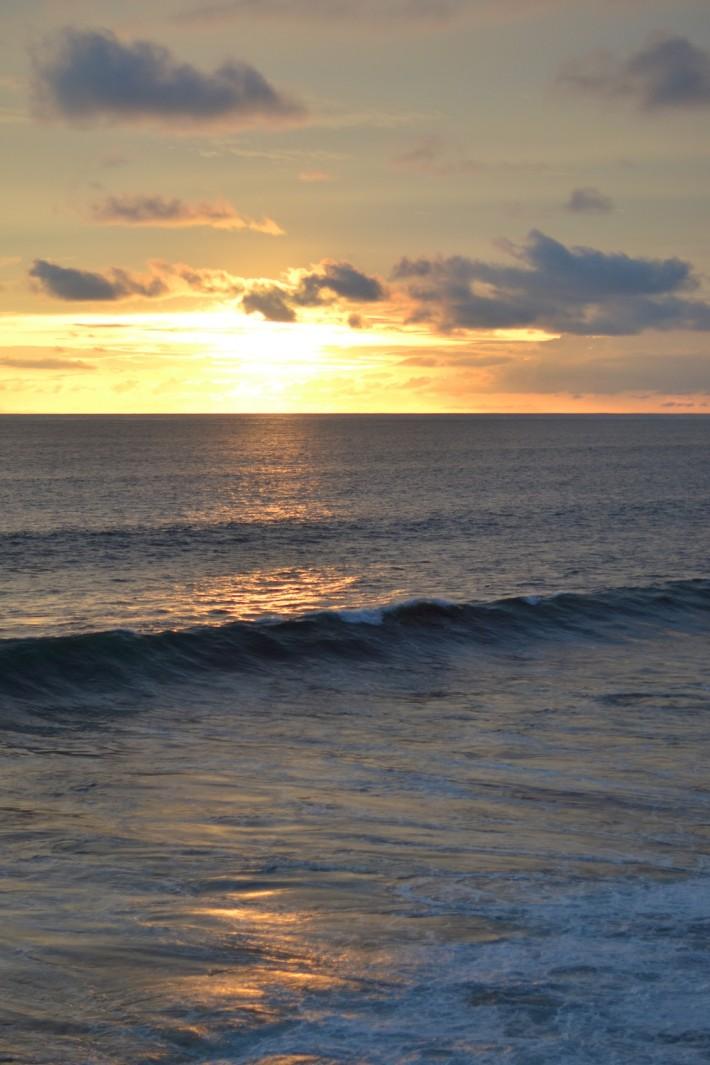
257,365
222,360
263,362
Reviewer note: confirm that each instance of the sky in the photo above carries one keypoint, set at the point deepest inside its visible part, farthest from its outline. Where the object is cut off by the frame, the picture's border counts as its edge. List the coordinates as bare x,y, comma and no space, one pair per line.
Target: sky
355,205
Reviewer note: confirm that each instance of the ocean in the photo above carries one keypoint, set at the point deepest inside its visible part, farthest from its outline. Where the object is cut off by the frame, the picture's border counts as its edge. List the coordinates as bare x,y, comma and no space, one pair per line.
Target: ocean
355,740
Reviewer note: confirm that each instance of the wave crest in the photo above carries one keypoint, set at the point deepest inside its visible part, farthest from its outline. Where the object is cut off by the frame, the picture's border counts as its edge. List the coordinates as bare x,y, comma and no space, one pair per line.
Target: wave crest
85,664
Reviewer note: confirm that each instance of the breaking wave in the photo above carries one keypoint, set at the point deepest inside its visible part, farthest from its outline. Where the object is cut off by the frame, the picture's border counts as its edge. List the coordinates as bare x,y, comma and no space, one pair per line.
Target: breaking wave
56,667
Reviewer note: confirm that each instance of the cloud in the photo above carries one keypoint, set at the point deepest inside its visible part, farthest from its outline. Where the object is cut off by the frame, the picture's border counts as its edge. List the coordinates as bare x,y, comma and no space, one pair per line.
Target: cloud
671,73
67,283
177,214
681,374
418,382
424,155
336,279
547,287
45,363
278,301
181,279
367,14
162,280
112,161
426,361
328,282
432,155
427,12
315,176
562,290
589,200
92,76
269,301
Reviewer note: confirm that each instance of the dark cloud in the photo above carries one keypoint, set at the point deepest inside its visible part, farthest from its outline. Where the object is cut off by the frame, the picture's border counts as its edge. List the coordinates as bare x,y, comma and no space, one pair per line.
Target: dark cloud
670,73
86,75
67,283
270,301
589,200
337,279
163,279
560,289
326,283
176,214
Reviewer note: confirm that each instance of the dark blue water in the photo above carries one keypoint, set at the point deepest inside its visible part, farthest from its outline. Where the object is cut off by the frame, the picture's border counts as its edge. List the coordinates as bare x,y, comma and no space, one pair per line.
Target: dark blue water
355,740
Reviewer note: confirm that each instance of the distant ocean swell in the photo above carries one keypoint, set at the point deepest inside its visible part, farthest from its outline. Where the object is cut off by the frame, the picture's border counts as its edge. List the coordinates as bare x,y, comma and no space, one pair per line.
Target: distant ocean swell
69,666
29,549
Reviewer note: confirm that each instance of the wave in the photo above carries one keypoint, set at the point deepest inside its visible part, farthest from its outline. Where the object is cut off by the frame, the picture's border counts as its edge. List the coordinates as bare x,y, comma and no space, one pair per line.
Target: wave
44,668
29,550
328,523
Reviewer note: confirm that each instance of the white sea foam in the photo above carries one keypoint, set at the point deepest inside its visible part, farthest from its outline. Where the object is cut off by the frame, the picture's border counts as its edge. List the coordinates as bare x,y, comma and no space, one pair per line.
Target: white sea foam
578,975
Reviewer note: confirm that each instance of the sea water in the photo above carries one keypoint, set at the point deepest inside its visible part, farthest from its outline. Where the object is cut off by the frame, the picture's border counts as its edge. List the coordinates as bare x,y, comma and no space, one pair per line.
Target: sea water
348,740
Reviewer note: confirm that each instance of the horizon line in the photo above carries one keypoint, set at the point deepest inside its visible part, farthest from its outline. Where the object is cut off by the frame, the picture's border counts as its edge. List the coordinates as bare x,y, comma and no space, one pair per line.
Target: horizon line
358,414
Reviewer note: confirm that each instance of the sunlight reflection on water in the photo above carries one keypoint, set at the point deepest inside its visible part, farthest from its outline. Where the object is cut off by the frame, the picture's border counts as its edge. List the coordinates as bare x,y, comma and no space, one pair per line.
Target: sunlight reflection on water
263,593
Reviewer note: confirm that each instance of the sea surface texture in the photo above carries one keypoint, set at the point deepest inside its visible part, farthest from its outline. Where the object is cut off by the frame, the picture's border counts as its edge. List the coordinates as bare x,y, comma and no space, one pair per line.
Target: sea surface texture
355,740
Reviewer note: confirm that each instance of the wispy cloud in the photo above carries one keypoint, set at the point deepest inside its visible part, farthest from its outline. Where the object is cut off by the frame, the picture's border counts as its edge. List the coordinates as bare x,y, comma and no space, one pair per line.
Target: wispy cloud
671,73
45,363
368,15
159,211
429,12
607,374
434,155
11,116
311,177
588,200
93,76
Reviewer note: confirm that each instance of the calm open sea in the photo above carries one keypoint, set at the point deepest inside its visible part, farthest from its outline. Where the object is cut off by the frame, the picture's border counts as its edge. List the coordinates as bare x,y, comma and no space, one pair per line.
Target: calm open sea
355,740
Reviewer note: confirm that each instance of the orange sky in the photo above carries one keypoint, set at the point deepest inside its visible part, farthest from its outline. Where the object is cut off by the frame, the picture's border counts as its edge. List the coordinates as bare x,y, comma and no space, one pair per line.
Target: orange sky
457,206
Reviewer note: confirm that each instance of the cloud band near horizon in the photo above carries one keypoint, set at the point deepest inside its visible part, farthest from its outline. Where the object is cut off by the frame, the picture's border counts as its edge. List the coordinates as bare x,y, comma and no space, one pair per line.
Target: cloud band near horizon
548,286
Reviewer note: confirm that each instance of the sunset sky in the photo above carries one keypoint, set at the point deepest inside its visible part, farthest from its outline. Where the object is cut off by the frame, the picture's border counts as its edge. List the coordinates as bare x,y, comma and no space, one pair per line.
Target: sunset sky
355,205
